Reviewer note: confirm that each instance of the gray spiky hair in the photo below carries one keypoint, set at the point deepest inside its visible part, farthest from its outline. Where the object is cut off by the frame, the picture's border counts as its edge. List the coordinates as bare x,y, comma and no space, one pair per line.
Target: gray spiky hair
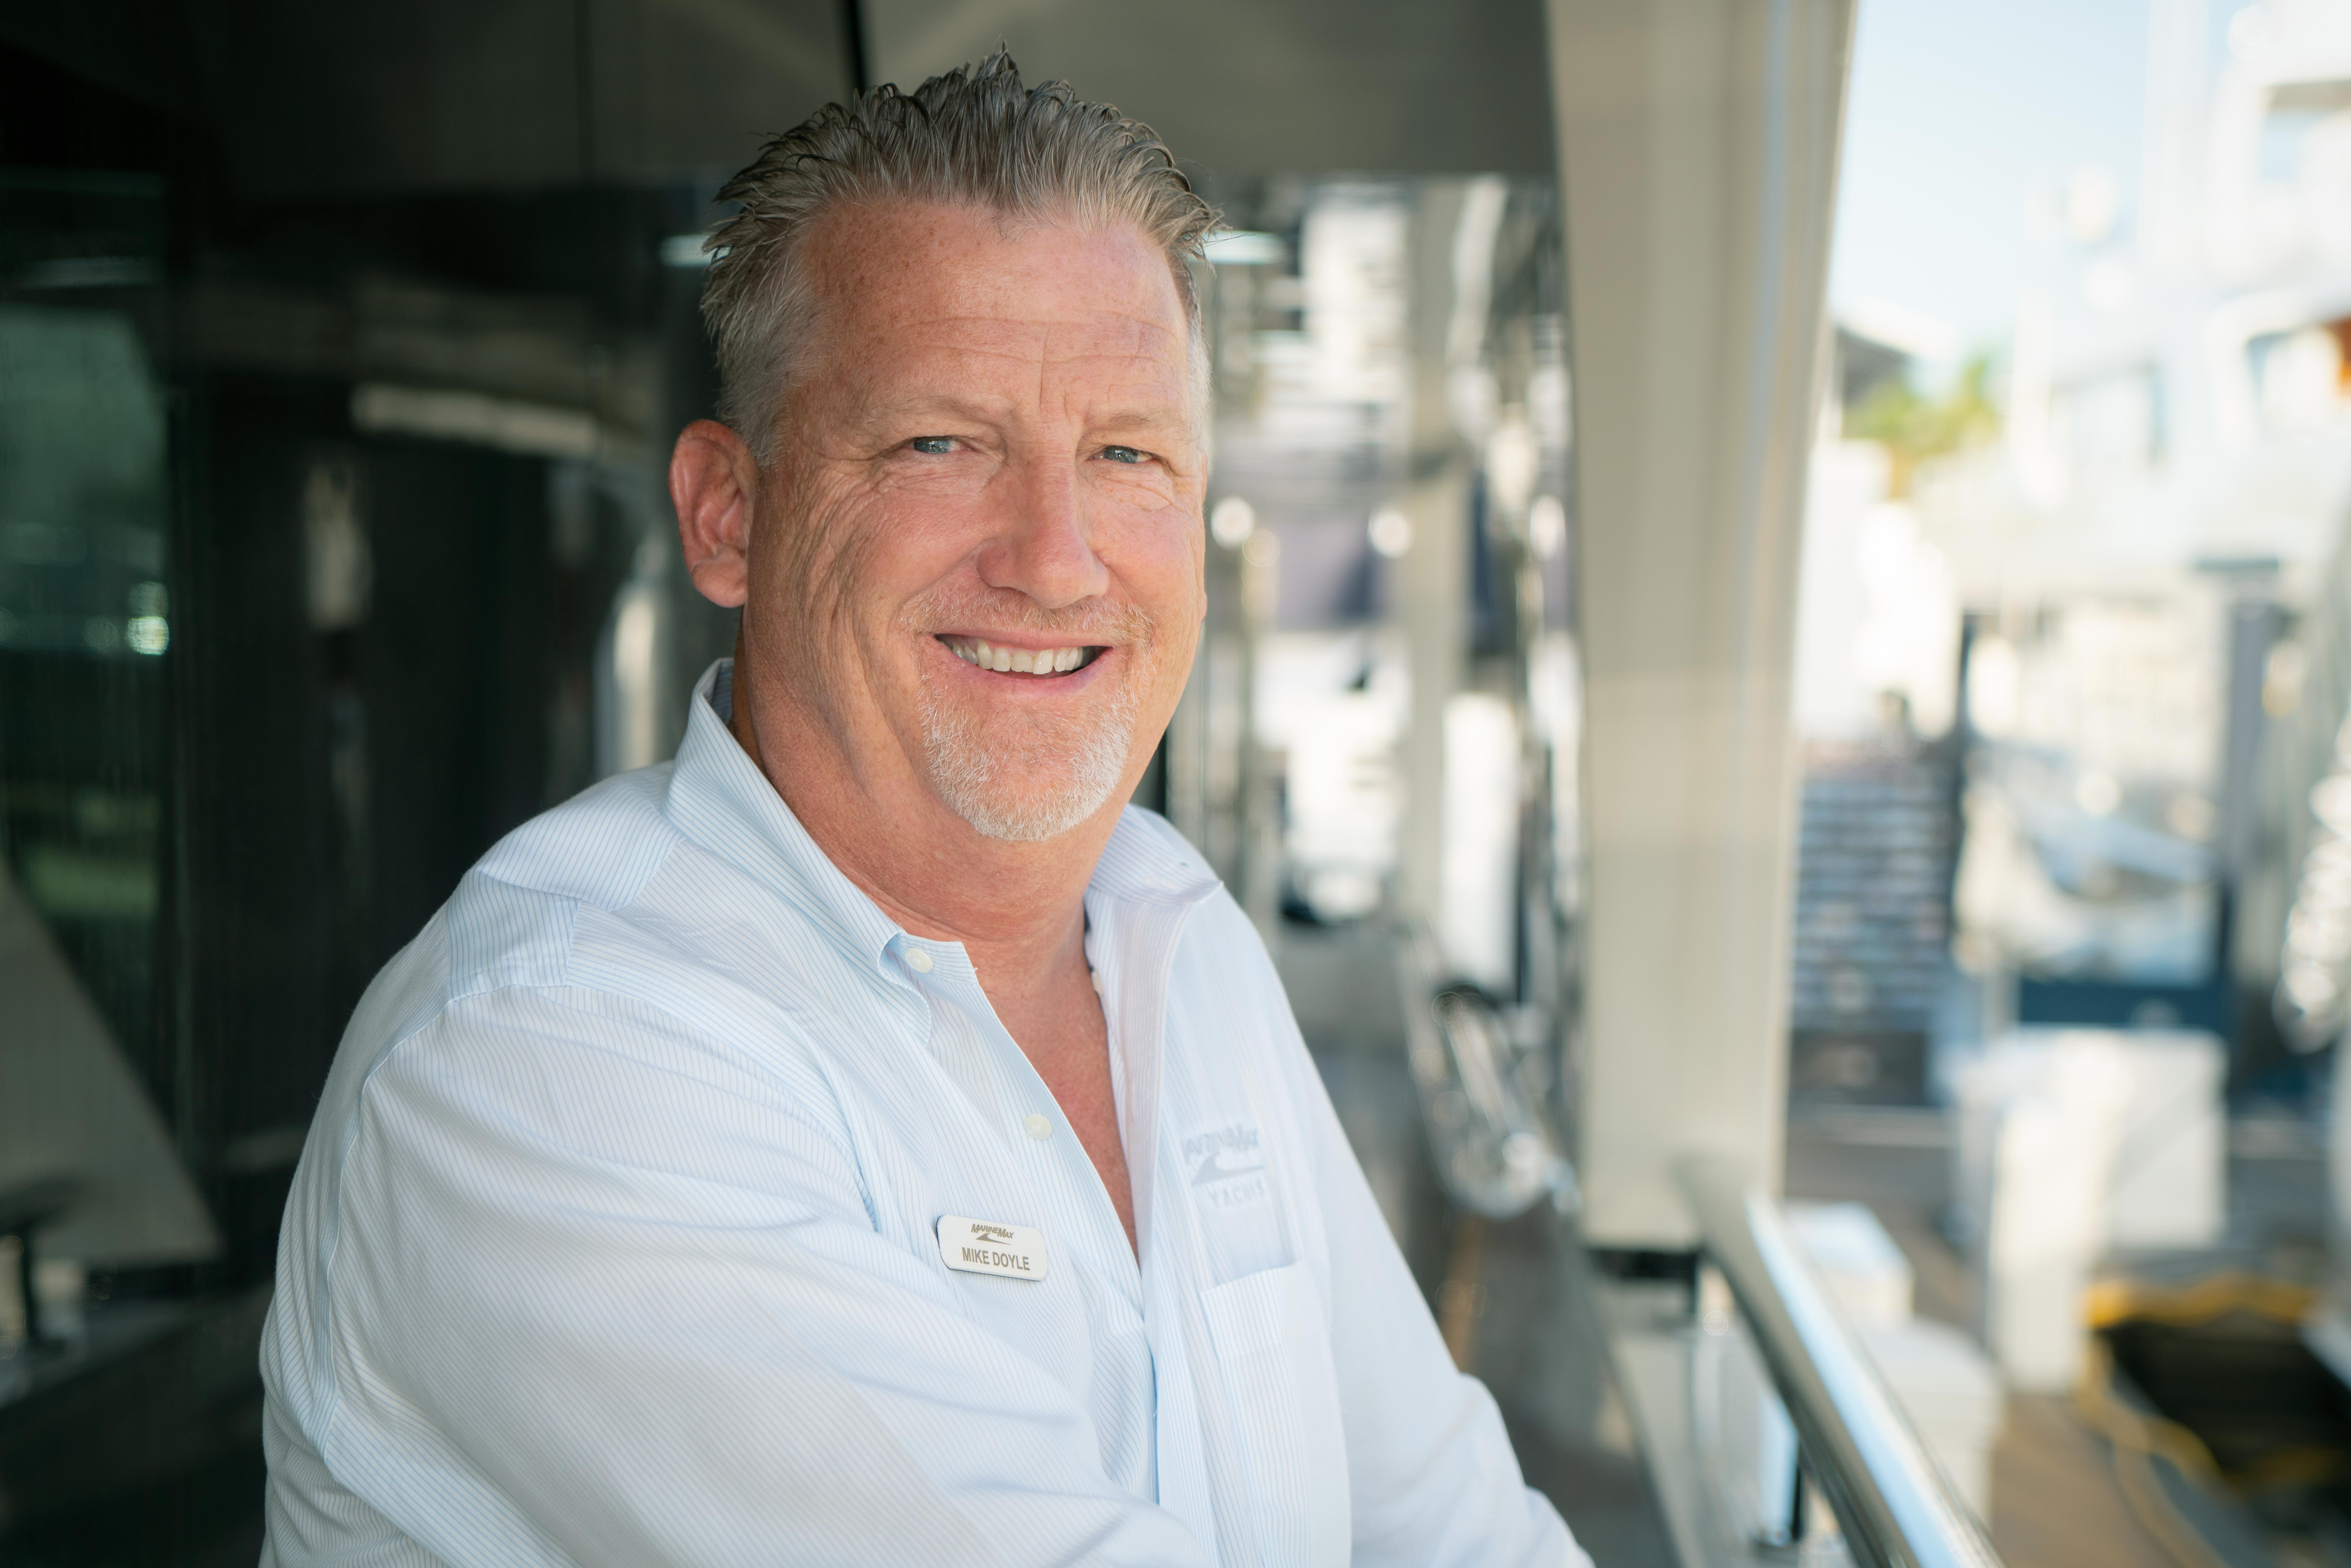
973,136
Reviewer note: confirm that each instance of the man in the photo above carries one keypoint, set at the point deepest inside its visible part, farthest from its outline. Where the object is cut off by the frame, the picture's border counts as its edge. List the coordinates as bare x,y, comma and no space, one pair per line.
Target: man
865,1141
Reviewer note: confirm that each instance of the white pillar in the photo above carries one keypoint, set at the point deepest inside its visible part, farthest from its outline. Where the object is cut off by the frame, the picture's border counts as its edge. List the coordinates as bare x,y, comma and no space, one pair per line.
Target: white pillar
1698,143
1432,584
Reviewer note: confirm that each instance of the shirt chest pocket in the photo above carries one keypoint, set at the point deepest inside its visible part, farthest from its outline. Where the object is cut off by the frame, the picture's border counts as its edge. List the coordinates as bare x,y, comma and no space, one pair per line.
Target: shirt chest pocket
1274,1351
1230,1177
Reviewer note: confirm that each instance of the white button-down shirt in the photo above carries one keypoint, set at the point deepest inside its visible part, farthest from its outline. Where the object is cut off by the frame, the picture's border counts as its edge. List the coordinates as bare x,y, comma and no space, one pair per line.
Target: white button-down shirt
615,1239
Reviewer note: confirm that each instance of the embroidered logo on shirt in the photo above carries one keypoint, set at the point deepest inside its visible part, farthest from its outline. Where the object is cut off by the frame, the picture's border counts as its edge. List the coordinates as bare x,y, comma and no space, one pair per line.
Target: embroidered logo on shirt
1228,1166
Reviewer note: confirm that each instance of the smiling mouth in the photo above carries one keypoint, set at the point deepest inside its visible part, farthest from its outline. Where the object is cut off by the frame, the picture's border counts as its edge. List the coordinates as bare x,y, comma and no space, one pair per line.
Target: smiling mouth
1022,661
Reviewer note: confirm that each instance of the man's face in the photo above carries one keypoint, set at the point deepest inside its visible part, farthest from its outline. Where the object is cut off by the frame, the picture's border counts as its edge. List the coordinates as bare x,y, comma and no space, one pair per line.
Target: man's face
979,551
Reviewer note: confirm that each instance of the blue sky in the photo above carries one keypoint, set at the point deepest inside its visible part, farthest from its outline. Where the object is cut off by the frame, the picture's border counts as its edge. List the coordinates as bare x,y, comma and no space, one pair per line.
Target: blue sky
1958,109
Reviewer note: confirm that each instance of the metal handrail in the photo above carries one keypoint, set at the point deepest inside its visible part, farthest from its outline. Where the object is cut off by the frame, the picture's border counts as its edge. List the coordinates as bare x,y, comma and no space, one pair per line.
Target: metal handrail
1897,1510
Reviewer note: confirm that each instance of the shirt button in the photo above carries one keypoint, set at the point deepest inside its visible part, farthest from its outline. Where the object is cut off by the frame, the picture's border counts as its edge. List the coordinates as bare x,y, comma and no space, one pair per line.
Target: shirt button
1038,1127
1095,976
918,960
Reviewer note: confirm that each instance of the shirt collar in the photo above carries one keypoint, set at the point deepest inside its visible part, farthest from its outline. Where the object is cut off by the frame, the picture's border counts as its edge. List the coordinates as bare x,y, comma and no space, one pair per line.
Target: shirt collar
720,800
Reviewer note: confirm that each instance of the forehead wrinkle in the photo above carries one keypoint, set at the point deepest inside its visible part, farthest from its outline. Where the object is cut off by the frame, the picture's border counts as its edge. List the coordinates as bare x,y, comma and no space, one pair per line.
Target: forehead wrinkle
974,340
1017,343
916,296
1139,370
1017,293
976,330
1131,376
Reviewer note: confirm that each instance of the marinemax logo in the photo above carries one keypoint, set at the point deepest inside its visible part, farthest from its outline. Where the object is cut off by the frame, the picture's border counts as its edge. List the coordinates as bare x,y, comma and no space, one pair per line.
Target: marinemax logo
1228,1167
1223,1152
990,1232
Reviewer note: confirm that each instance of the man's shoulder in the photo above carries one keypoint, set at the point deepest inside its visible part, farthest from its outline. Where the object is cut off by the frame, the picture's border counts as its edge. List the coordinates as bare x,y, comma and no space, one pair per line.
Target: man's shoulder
515,915
603,907
512,922
579,933
599,848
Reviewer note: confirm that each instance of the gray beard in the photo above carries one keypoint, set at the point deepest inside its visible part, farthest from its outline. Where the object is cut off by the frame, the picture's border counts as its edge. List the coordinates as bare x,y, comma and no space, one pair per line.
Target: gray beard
998,790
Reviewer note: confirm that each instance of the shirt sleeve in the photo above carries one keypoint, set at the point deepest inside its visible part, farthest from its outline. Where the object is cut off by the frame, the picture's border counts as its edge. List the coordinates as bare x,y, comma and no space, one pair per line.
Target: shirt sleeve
1431,1473
599,1295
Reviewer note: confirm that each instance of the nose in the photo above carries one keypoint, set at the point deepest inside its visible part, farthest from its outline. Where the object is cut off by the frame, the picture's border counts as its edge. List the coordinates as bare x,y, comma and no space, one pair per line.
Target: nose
1042,549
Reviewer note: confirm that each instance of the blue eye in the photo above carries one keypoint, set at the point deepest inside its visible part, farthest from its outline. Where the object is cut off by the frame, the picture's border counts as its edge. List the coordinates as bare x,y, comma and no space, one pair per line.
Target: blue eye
933,446
1122,453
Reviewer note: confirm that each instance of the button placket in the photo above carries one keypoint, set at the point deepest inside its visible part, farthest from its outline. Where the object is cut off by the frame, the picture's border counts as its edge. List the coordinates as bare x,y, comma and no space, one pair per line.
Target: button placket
1095,1236
1079,1212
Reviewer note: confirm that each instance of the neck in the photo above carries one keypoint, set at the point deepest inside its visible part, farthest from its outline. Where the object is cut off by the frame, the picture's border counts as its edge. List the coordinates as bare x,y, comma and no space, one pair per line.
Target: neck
1019,909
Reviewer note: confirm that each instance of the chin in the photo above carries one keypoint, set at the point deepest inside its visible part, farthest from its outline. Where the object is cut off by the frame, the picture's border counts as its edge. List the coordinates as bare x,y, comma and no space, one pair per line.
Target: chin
1029,787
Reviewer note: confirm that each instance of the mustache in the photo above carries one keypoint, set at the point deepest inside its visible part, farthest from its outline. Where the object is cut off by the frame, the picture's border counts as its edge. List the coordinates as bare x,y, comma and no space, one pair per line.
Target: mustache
1093,621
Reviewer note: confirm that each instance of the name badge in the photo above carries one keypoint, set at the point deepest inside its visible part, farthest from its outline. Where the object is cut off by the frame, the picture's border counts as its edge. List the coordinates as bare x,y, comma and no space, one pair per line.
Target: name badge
976,1247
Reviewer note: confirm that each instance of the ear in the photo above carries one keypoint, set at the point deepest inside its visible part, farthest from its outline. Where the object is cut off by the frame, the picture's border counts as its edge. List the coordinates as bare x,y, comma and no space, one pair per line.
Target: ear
713,482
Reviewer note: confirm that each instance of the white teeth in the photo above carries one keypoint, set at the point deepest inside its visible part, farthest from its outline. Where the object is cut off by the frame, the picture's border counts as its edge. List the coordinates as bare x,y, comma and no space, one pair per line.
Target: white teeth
1016,660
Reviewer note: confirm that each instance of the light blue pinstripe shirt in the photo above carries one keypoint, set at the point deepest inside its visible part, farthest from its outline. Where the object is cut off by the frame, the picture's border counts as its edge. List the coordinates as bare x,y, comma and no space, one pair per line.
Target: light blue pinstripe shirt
613,1240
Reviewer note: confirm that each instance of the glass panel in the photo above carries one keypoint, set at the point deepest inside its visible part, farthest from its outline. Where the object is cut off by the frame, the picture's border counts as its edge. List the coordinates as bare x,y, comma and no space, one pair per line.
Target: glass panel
85,600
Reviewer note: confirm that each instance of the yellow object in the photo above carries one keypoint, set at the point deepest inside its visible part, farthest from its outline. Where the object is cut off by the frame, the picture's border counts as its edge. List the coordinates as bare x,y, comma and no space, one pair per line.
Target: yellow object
2139,1438
2112,1301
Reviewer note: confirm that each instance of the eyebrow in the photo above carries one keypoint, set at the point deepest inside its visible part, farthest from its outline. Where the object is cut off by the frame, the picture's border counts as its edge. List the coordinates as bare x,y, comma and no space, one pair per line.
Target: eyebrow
1134,417
884,411
1156,428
